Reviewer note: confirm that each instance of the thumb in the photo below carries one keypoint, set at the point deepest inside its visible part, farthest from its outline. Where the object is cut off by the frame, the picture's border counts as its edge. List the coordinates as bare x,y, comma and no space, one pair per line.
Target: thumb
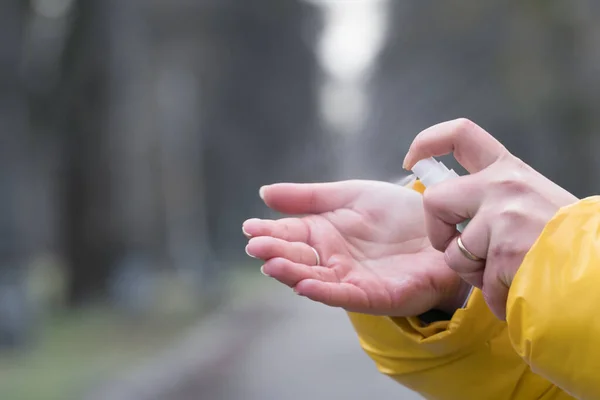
473,147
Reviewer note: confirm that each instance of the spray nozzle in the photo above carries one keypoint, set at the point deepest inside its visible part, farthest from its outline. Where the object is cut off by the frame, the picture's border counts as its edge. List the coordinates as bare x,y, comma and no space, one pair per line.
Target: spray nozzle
430,171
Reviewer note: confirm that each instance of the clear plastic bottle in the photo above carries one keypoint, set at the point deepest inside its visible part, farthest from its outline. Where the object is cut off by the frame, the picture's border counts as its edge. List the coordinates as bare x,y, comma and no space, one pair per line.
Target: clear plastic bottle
429,171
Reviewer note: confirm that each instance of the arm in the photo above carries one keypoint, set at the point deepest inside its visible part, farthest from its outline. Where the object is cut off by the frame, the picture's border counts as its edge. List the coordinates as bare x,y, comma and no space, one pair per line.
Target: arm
468,357
552,309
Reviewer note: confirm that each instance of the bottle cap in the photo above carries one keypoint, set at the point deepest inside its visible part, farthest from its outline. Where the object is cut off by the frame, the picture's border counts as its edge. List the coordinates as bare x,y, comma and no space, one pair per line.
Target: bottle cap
430,171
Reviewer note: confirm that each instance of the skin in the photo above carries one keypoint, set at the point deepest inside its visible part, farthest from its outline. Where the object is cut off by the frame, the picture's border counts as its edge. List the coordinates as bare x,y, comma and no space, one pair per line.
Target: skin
386,250
375,255
509,202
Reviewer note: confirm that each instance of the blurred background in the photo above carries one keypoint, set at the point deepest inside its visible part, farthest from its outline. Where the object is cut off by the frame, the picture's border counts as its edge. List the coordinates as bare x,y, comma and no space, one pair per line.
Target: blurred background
135,135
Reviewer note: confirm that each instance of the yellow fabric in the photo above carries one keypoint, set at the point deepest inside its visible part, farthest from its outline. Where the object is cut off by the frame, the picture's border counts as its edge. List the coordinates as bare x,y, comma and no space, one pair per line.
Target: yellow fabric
554,302
549,348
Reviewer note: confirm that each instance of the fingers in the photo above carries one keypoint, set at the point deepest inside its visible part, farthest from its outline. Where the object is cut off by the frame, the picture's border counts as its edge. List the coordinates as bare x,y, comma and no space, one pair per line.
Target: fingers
485,273
311,198
475,239
288,229
317,283
505,256
336,294
266,248
473,147
290,273
495,292
450,203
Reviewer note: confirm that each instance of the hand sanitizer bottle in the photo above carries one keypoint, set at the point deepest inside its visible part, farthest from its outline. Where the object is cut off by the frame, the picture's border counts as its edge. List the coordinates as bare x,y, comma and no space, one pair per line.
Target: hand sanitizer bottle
430,171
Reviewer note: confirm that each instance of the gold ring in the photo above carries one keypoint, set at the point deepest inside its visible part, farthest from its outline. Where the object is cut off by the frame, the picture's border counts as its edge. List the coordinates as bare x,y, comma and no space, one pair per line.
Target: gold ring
466,252
316,254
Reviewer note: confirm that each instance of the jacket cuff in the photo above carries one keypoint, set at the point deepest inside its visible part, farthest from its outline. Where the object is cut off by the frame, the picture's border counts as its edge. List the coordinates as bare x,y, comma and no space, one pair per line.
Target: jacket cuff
434,315
468,328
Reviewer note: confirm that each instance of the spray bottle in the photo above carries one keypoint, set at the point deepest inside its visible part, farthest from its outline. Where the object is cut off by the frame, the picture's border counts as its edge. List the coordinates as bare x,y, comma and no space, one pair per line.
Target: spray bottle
430,171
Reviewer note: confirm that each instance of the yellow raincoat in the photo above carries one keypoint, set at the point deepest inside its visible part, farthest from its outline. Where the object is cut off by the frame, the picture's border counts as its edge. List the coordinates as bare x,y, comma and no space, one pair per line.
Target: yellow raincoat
549,346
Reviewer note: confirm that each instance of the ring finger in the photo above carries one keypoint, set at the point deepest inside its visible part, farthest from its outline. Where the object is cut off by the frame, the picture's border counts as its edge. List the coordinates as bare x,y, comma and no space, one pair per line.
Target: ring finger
288,229
266,247
290,273
469,262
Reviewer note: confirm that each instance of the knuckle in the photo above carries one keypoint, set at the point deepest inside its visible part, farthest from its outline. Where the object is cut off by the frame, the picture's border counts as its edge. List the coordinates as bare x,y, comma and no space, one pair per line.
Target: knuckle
464,125
506,250
502,250
464,128
513,214
513,182
286,231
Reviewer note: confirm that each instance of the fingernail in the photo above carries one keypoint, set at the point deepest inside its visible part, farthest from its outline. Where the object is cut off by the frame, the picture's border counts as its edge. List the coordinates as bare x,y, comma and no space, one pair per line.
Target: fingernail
261,192
246,233
405,163
262,271
247,252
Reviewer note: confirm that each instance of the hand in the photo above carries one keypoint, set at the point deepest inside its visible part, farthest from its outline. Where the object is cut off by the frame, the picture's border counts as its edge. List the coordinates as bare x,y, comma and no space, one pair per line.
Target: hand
371,241
508,201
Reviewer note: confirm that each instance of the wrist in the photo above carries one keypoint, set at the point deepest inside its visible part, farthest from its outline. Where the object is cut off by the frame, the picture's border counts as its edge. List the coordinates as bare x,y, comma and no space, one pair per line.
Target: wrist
456,298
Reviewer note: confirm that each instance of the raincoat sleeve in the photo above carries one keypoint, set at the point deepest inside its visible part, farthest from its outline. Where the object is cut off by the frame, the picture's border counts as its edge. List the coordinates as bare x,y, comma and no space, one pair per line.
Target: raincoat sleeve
553,308
549,348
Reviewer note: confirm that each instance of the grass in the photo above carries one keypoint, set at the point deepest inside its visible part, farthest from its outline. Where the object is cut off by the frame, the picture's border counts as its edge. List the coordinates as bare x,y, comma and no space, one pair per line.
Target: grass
76,350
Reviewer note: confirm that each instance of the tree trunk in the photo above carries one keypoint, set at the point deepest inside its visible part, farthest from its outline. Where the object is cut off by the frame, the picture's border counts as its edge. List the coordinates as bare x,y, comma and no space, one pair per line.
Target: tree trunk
83,105
15,312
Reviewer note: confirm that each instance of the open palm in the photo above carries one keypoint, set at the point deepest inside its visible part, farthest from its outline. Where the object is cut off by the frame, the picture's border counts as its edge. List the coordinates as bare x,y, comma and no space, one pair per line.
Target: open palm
370,237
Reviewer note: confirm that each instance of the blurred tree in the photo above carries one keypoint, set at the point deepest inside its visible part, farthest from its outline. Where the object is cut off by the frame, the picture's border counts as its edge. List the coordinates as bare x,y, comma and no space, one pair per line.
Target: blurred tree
438,64
159,117
181,59
81,119
134,170
15,247
170,115
510,68
259,109
548,51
